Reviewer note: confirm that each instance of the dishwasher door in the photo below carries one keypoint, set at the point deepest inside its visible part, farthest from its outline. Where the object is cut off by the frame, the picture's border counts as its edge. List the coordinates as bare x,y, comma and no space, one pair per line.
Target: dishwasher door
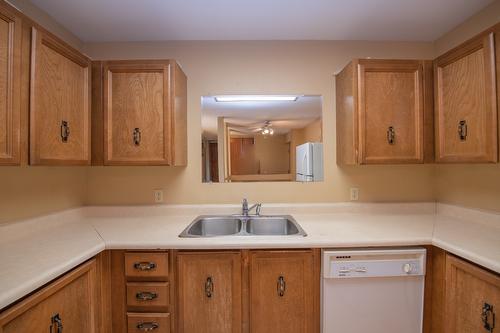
376,291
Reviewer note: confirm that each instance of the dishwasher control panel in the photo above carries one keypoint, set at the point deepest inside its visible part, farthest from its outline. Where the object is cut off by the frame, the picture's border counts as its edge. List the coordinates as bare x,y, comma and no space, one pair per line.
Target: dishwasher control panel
370,263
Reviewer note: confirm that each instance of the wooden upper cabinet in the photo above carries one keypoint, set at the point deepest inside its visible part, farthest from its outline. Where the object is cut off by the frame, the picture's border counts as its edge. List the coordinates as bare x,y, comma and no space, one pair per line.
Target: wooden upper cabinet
209,292
472,297
10,74
59,103
384,112
466,103
282,292
71,301
144,113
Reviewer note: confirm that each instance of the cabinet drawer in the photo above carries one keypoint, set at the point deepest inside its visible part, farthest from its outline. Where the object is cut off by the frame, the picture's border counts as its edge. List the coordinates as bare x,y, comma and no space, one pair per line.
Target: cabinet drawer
147,296
146,322
146,266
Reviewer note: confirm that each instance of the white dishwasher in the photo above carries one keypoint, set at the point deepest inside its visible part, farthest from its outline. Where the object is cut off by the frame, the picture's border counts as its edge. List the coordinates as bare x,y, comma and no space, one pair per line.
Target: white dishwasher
373,290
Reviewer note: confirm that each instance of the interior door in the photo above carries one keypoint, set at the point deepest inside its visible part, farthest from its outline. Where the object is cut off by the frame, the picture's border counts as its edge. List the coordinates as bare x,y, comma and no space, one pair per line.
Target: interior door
391,111
465,99
59,103
136,113
10,74
209,292
281,292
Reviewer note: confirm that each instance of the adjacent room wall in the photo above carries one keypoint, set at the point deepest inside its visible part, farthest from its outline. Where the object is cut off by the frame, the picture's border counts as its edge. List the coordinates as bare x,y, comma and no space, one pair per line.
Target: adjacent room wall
259,67
31,191
468,184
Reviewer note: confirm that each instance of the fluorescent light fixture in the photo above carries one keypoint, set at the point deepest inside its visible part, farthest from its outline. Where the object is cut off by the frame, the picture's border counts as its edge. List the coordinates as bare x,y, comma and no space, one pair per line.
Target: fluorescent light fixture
256,98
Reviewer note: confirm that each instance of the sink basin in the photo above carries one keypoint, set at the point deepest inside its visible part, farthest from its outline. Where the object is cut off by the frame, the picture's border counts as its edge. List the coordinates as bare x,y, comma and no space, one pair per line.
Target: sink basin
209,226
274,225
240,225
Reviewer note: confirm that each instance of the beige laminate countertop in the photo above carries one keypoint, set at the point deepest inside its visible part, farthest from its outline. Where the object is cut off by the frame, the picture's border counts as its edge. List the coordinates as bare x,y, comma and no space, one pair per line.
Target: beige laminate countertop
36,251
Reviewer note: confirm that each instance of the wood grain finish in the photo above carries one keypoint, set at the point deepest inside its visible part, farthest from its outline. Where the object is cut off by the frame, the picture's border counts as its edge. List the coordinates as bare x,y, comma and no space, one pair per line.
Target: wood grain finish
390,94
468,288
294,309
158,291
10,86
158,273
73,297
378,98
135,320
179,116
465,90
59,91
219,311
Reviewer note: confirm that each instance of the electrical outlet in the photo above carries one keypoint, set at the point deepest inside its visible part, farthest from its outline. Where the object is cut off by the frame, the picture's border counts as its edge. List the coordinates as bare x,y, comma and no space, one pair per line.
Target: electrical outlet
354,194
158,196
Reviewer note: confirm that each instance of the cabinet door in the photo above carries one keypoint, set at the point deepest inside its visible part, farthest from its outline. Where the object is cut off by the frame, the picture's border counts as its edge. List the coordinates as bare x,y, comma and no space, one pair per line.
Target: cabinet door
59,103
72,299
472,297
391,111
10,75
136,113
282,292
209,293
465,99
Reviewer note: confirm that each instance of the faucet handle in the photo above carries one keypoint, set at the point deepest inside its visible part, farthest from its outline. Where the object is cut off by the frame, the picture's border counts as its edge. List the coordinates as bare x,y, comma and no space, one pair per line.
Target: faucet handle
257,208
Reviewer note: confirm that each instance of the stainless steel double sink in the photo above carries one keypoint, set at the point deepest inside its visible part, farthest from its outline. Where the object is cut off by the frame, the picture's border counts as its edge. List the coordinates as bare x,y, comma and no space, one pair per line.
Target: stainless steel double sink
242,225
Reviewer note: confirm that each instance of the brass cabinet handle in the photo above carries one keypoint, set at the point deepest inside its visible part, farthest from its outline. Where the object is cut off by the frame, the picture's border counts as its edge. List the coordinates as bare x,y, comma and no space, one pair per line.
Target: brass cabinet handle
56,322
281,286
486,314
146,296
462,130
137,136
64,131
391,135
148,326
144,266
209,287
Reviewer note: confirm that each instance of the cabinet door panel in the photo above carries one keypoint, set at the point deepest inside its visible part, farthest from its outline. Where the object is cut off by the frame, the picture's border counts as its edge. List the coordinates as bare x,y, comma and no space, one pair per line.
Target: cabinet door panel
59,103
465,92
136,112
391,112
72,297
209,292
468,288
10,72
281,292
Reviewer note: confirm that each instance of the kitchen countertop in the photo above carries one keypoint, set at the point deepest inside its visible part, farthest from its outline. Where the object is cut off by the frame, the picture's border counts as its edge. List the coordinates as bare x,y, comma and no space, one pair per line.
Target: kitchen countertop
36,251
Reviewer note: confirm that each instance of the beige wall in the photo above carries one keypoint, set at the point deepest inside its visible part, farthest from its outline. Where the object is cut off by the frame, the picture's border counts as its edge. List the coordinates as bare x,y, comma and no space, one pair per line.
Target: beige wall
280,67
469,185
30,191
272,154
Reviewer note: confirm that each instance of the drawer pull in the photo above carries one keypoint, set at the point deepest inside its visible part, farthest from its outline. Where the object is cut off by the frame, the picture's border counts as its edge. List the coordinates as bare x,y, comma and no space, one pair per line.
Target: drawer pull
281,286
148,326
64,131
146,296
391,135
144,266
209,287
56,322
462,130
486,314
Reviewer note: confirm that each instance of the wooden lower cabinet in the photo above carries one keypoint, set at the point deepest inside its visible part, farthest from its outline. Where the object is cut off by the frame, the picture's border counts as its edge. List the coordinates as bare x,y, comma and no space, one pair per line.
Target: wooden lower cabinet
71,301
282,286
472,297
209,289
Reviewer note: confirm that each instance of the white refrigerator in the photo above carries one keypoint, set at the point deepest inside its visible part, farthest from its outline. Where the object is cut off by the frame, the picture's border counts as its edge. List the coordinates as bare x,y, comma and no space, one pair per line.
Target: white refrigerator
309,158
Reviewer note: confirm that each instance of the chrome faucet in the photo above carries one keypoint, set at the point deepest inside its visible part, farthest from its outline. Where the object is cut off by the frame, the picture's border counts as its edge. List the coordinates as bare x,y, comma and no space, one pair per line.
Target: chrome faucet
245,209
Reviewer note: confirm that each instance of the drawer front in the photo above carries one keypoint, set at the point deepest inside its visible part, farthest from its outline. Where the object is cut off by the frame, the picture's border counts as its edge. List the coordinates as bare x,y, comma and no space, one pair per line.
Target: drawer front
148,296
146,266
148,322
